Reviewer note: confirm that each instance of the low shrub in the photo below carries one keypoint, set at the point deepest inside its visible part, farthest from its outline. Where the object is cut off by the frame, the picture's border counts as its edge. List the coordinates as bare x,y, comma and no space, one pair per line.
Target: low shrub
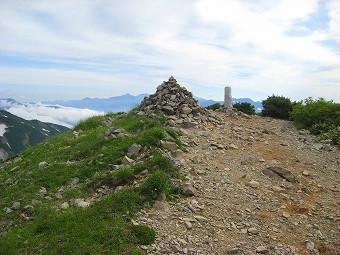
277,107
245,107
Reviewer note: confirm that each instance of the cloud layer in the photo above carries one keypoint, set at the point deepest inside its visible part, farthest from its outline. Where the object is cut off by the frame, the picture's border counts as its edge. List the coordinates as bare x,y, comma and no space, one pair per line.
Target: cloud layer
73,49
65,116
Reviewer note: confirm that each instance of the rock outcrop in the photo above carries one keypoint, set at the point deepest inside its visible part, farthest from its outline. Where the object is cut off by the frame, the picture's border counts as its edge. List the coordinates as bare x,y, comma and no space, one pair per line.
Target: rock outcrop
178,105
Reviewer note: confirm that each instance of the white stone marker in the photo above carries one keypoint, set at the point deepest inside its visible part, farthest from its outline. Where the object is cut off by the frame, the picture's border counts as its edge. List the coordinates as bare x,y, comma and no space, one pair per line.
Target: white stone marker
228,105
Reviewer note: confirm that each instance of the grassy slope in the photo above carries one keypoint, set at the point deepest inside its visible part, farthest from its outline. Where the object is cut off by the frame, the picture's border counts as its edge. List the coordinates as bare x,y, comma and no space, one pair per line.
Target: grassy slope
104,227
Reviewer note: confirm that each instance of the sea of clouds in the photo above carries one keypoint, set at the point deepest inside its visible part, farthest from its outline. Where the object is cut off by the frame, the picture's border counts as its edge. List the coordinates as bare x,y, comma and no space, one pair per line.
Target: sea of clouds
65,116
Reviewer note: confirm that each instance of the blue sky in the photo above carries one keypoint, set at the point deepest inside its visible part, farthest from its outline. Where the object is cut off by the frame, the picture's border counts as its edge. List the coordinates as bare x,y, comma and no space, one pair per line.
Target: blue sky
71,49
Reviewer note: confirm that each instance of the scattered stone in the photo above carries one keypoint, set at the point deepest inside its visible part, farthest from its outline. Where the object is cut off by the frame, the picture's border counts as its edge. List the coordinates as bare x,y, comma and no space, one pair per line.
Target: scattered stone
177,153
127,161
144,172
43,164
65,206
8,210
119,188
233,251
171,146
262,250
188,190
254,184
75,181
35,202
79,202
200,218
17,159
278,173
15,169
305,173
188,224
16,206
134,150
253,231
286,215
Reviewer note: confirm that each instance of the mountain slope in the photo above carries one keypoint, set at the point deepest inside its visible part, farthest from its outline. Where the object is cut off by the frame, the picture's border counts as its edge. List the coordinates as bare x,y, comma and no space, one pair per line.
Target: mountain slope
16,134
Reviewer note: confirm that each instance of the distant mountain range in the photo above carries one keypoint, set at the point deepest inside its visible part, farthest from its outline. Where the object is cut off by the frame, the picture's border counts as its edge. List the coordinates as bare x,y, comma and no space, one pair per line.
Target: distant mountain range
16,134
122,103
126,102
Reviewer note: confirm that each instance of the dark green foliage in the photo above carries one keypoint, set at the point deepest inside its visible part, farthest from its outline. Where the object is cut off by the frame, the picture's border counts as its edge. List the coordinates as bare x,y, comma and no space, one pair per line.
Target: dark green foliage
158,162
245,107
143,234
152,137
277,107
214,106
319,116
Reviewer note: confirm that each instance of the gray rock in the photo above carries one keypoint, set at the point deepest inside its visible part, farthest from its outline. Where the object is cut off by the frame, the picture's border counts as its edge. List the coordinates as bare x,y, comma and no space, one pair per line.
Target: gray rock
262,250
16,206
43,164
127,161
168,110
79,202
177,153
145,171
186,110
8,210
188,224
253,184
279,173
134,150
189,190
171,146
17,159
253,231
65,206
75,181
35,202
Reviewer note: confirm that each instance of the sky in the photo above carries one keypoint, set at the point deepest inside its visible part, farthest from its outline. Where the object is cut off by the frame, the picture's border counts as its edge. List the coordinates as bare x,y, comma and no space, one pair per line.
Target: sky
71,49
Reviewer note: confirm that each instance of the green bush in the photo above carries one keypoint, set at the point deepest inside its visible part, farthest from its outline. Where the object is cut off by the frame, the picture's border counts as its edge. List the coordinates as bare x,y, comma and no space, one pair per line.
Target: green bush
277,107
245,107
319,116
214,106
333,134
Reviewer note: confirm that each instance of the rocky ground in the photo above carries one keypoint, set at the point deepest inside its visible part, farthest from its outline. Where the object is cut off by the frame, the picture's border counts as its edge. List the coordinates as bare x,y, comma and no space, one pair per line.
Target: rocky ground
235,207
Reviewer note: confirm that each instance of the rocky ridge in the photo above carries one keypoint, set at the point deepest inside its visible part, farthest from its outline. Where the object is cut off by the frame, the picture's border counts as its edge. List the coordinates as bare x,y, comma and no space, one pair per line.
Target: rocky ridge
259,186
178,105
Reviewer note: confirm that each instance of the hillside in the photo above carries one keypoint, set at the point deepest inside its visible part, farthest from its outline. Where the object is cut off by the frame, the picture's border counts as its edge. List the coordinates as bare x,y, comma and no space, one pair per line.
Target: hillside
171,177
17,134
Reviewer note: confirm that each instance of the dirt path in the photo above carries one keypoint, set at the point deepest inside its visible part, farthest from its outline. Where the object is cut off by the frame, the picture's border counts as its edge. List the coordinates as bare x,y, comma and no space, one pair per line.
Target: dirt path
236,209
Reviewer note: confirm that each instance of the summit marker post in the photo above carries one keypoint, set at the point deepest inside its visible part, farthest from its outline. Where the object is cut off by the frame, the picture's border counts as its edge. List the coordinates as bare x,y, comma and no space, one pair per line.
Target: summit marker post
228,105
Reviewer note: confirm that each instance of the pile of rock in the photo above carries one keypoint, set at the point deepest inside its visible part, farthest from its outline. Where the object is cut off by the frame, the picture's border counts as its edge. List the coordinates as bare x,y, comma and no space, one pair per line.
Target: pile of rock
178,104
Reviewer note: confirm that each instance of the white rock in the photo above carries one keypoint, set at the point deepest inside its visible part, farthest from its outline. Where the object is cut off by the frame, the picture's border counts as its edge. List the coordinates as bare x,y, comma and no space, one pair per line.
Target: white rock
16,206
65,206
81,203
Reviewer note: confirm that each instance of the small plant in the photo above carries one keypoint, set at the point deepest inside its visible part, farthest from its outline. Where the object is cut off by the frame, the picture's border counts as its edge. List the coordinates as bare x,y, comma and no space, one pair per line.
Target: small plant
89,123
143,234
245,107
156,183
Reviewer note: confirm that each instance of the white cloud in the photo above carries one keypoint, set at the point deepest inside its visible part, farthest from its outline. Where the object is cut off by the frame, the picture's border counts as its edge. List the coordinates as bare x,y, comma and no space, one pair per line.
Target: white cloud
61,115
107,48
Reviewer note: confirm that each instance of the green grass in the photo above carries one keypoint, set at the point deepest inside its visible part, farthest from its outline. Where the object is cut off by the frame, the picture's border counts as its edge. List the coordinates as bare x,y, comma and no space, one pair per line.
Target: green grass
105,226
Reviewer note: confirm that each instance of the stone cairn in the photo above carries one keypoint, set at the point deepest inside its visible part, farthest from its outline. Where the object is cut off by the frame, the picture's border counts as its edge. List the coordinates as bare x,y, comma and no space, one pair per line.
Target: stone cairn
178,105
